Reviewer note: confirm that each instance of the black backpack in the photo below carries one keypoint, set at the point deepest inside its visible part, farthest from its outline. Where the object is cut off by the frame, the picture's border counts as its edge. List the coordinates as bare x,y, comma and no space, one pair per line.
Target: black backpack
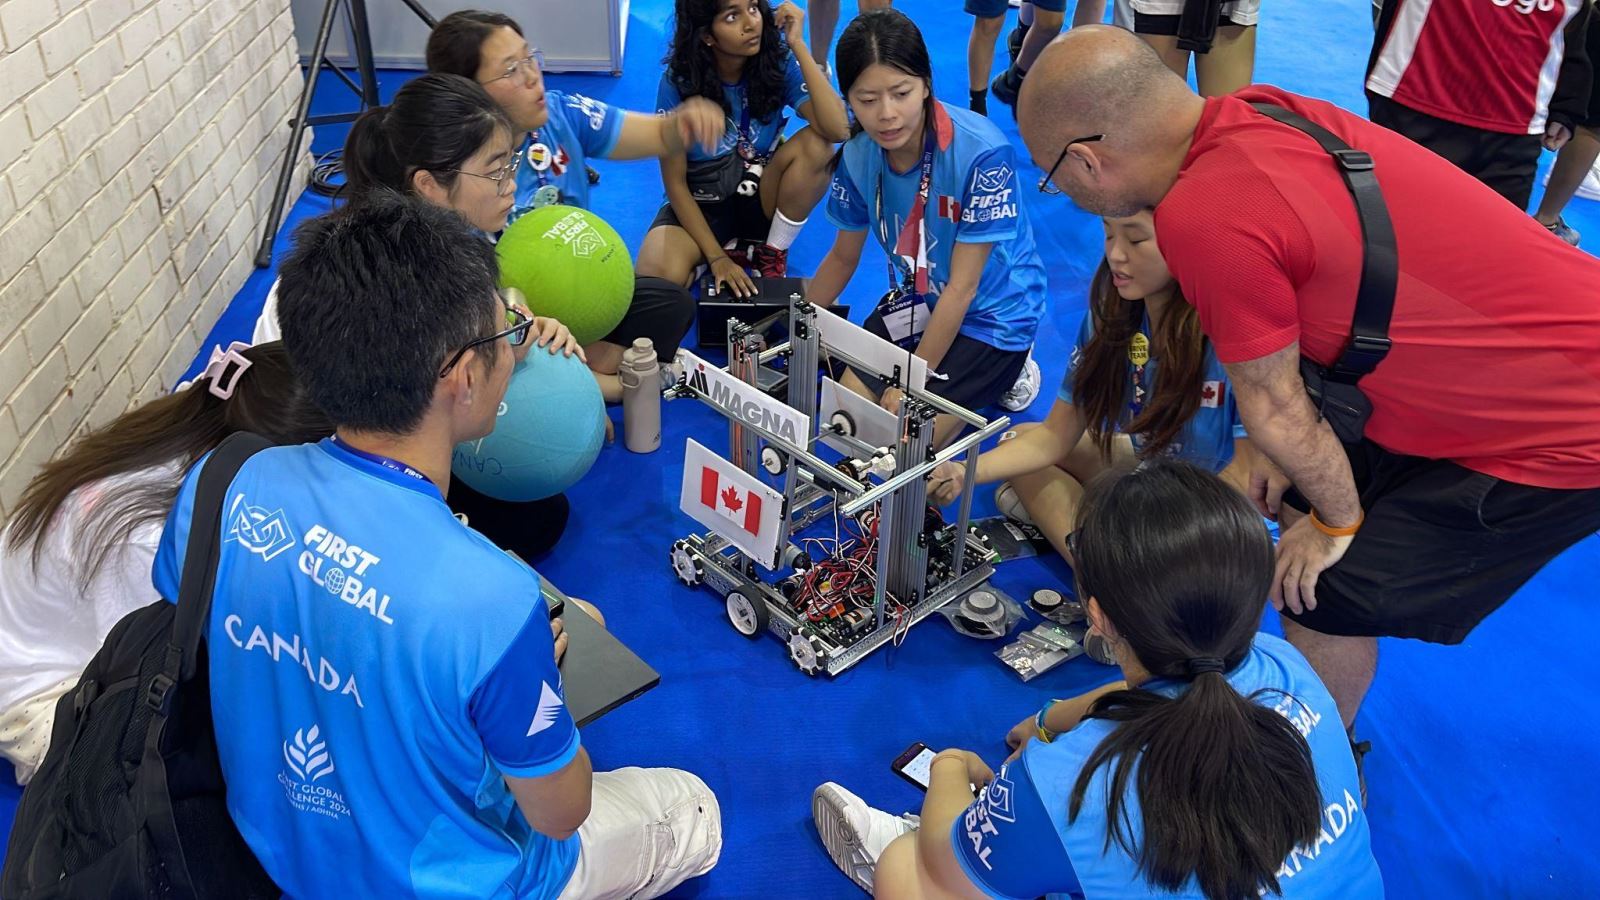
129,801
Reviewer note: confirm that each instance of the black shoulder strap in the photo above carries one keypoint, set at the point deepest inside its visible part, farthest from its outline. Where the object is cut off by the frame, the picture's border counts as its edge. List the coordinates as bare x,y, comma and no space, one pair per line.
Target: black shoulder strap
1380,266
200,561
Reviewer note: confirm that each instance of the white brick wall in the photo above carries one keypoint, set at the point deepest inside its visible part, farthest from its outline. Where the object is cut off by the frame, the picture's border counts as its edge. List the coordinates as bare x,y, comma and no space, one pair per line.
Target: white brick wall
139,144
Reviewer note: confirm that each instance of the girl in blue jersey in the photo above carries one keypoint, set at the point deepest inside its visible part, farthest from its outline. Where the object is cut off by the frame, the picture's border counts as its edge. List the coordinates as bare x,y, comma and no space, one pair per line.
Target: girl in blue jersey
443,139
938,189
1142,382
744,202
556,133
1217,768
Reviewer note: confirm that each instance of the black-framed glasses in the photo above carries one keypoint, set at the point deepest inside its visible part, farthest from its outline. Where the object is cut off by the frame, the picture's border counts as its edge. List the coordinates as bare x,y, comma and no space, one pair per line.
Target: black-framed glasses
1046,185
533,62
520,324
504,178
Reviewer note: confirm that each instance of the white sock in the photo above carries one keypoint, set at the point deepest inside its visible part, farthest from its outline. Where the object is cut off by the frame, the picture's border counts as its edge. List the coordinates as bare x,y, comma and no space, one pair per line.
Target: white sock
783,231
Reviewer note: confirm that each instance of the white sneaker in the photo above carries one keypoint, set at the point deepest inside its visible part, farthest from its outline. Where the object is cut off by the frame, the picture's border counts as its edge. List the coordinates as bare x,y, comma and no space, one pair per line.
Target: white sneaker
1010,505
1021,394
671,374
854,833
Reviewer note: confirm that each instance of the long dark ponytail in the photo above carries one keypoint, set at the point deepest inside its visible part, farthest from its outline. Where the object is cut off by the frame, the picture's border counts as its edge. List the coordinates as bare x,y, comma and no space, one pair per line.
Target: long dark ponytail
1100,381
886,36
179,428
1180,564
435,123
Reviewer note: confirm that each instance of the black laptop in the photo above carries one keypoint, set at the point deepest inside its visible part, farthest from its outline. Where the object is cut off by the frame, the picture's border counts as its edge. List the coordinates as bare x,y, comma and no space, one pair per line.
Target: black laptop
598,672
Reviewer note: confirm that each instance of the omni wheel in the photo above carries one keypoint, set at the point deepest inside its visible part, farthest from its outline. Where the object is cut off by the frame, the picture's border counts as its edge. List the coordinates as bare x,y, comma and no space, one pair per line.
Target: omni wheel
748,617
685,566
806,652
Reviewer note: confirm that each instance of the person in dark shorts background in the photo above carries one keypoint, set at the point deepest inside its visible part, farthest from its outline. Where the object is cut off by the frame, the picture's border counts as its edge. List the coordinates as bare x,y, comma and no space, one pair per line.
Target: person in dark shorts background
1481,459
740,205
1220,36
1576,160
1426,80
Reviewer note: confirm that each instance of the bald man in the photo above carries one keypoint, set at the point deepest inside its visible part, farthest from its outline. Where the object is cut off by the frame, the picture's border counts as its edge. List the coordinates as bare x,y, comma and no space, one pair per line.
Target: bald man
1481,460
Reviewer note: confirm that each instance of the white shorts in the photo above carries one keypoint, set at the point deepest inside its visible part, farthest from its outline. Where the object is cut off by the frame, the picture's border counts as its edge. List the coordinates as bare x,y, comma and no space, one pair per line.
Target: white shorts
25,729
648,831
1240,12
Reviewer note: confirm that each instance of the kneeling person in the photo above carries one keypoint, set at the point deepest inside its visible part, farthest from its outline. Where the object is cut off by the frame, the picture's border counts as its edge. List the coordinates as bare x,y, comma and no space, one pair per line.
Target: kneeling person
377,715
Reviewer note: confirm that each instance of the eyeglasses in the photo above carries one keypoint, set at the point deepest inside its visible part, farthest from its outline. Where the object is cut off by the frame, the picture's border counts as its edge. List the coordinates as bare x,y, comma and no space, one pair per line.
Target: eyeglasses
533,62
1046,186
504,178
520,326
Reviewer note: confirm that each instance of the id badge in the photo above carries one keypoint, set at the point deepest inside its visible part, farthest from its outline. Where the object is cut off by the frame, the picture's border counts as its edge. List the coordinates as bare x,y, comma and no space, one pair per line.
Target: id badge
905,315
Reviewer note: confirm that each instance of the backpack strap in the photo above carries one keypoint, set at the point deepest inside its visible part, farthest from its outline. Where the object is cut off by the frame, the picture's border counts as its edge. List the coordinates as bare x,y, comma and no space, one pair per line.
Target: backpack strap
1369,340
200,564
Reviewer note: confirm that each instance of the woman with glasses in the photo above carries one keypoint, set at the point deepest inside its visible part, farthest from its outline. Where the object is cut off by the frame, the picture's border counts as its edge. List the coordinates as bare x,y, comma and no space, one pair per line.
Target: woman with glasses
1142,382
938,189
1216,768
557,133
444,139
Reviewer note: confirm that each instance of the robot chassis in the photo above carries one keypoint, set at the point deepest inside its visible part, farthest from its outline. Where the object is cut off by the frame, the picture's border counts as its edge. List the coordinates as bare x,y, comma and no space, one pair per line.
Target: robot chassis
908,575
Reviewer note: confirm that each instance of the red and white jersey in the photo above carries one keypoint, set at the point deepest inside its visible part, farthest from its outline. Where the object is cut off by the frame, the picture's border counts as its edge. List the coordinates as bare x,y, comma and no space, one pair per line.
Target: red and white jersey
1490,64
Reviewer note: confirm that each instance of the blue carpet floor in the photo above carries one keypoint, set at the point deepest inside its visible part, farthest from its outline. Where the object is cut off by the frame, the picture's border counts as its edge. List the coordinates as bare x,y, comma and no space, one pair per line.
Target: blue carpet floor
1481,779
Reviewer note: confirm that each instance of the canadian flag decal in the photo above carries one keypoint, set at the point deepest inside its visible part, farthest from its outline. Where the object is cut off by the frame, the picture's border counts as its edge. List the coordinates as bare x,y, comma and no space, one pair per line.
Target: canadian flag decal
727,500
1211,394
949,208
739,507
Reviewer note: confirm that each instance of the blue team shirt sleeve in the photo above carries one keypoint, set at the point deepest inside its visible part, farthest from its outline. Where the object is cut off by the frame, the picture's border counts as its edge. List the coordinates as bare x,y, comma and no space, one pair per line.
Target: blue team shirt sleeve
989,201
166,572
667,98
847,209
795,91
519,709
1085,333
597,125
1007,843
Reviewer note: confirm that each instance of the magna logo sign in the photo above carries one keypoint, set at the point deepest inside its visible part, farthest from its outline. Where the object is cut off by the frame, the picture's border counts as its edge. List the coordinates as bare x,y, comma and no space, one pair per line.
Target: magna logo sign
743,402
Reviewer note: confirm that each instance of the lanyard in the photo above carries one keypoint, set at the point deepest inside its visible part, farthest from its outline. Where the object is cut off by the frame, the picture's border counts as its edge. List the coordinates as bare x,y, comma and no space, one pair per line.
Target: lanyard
384,461
747,132
913,241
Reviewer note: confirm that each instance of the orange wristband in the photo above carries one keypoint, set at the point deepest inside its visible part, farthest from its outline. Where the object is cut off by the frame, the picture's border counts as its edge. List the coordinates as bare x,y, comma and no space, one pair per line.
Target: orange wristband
1331,531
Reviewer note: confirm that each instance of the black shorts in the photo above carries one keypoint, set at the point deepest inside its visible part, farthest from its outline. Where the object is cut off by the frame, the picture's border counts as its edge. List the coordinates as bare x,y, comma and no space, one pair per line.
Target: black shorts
1591,43
1441,547
979,373
1168,25
737,220
1504,162
526,529
661,311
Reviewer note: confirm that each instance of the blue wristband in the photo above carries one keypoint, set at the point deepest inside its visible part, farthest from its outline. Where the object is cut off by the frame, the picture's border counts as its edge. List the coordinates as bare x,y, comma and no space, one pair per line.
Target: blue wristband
1045,734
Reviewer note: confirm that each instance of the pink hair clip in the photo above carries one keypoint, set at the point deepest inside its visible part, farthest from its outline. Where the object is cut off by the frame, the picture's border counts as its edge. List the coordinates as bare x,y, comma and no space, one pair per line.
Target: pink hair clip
224,379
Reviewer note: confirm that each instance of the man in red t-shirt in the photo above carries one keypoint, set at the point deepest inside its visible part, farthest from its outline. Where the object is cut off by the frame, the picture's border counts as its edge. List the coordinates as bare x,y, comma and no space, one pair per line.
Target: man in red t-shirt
1481,460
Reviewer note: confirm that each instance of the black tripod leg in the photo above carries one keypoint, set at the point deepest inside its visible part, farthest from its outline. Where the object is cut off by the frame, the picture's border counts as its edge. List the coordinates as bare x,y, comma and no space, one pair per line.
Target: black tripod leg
297,130
363,40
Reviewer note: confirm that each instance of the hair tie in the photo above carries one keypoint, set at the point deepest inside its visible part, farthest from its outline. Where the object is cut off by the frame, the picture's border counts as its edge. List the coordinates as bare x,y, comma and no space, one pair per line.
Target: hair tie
224,378
1199,665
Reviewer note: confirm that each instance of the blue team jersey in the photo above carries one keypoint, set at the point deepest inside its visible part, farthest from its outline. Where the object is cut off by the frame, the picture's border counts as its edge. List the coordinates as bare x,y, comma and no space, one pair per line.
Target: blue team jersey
762,134
377,668
558,151
973,198
1015,841
1207,441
